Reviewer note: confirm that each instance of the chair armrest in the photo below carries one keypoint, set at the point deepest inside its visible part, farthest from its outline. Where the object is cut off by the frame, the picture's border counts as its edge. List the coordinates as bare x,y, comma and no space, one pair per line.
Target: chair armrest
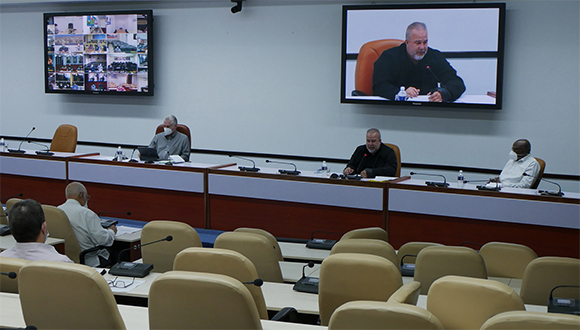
287,314
93,249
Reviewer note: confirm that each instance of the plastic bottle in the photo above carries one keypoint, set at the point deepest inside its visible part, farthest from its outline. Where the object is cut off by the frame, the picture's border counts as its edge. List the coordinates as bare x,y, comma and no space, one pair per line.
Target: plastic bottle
2,145
460,180
324,168
401,95
119,155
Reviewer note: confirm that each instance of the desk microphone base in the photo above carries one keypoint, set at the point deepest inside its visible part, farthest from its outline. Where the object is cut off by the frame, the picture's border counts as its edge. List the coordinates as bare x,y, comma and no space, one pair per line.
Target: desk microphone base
436,184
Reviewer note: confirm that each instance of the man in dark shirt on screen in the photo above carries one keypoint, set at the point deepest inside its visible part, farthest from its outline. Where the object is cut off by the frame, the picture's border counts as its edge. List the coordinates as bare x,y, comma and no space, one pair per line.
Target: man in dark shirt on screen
373,158
420,69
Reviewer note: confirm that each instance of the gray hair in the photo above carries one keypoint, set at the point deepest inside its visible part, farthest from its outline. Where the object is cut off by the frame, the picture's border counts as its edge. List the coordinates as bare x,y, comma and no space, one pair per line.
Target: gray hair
172,119
374,130
414,26
74,189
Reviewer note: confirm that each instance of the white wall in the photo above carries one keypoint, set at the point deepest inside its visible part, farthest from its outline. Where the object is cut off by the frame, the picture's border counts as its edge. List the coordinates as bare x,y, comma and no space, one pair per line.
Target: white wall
268,80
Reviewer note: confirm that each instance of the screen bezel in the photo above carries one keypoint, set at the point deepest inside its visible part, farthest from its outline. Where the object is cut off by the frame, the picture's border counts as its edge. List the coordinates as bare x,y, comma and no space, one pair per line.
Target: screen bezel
345,57
150,53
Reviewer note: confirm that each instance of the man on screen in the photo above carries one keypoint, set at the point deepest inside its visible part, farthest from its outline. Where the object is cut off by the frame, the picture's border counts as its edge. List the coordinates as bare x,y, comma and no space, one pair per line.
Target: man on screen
420,69
373,158
170,141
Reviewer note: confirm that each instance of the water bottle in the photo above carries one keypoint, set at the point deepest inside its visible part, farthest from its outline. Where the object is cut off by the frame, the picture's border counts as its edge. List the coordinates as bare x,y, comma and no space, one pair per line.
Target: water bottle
2,145
324,168
119,155
401,95
460,180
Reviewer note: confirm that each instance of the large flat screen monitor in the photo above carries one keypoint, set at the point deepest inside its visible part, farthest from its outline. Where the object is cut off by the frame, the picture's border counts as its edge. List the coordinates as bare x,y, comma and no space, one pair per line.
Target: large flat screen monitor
451,53
99,52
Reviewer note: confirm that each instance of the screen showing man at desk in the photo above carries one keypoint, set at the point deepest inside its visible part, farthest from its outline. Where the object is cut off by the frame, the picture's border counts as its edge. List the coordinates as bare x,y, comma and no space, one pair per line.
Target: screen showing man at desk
170,141
373,158
521,170
416,69
28,226
86,225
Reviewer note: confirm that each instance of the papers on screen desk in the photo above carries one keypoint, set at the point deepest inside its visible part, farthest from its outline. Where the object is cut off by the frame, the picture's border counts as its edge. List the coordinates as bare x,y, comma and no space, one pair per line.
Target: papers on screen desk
122,230
382,178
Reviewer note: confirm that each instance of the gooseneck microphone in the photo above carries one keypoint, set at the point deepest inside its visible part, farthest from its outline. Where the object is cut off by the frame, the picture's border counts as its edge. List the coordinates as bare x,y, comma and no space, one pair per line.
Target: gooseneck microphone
11,275
244,168
310,264
431,183
131,160
105,212
295,172
436,78
256,282
546,192
169,238
45,152
17,195
20,151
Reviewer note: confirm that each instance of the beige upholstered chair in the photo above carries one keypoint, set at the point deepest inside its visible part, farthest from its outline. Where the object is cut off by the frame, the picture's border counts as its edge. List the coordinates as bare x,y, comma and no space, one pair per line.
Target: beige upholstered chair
225,262
347,277
371,232
363,314
407,294
8,265
64,139
266,234
437,261
11,202
368,246
60,295
544,273
162,254
255,247
411,249
192,300
519,320
59,227
3,217
466,303
506,259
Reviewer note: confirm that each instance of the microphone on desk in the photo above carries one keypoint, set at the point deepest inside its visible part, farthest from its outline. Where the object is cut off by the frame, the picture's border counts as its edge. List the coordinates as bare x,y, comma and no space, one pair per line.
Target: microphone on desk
20,151
131,160
105,212
407,269
431,183
256,282
45,152
310,264
307,284
247,169
546,192
17,195
11,275
566,306
133,269
169,238
295,172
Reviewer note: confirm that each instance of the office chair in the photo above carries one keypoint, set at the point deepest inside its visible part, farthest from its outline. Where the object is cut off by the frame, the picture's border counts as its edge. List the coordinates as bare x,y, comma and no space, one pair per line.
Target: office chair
180,128
367,56
255,247
545,273
11,202
466,303
266,234
64,139
407,294
517,320
347,277
366,246
8,265
162,254
371,232
192,300
506,259
540,173
364,314
409,251
60,295
59,226
437,261
398,154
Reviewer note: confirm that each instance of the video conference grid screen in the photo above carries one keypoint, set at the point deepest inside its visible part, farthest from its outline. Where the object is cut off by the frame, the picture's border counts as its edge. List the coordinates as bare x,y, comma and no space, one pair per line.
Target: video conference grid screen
106,53
469,36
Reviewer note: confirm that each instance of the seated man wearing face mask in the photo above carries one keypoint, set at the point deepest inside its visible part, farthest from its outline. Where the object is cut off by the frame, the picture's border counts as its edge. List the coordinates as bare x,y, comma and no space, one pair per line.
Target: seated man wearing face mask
170,141
86,225
520,162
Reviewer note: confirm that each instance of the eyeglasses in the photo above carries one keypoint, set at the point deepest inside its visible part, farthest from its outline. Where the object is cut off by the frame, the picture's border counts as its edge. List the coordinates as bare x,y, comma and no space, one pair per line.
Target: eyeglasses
120,284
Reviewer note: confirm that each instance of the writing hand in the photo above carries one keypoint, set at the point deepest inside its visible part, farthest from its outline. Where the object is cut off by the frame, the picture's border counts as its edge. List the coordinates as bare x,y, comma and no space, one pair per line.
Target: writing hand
412,92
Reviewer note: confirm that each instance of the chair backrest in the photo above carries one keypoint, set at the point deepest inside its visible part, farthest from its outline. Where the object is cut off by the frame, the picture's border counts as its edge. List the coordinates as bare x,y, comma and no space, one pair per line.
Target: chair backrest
266,234
365,314
367,246
59,227
407,294
64,139
370,232
225,262
367,56
398,154
540,173
192,300
506,259
8,265
466,303
347,277
48,289
411,249
517,320
3,217
255,247
545,273
162,254
437,261
11,202
180,128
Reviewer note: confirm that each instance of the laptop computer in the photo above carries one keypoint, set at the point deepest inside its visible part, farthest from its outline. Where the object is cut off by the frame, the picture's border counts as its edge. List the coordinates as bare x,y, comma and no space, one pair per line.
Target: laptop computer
148,155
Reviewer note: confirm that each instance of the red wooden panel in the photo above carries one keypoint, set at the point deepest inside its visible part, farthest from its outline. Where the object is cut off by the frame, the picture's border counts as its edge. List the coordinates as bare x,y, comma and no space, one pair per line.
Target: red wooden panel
44,191
288,219
545,241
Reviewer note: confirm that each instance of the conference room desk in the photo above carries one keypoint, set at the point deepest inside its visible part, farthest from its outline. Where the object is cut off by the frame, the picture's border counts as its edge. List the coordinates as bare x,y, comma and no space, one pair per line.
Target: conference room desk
127,241
8,242
549,225
299,252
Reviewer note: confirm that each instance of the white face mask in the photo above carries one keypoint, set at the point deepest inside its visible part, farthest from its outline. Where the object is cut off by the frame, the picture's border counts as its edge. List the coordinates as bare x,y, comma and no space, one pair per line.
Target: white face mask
512,155
167,131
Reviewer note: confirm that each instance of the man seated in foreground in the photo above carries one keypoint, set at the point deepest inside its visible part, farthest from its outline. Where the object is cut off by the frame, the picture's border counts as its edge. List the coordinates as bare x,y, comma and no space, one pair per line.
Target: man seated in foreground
520,162
29,229
373,158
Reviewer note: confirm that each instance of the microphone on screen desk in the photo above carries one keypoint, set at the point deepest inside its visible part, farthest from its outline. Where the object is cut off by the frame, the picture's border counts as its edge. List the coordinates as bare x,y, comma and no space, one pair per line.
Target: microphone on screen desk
445,96
289,172
431,183
244,168
20,151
